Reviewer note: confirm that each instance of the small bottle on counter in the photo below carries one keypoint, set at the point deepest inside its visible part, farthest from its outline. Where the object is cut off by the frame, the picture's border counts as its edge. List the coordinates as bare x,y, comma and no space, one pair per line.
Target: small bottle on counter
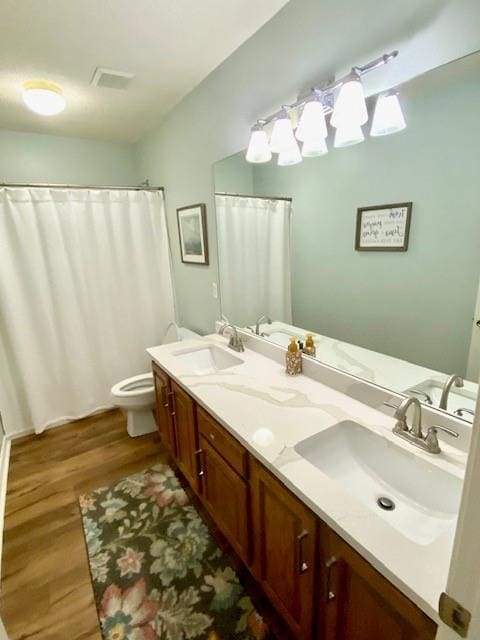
293,358
310,349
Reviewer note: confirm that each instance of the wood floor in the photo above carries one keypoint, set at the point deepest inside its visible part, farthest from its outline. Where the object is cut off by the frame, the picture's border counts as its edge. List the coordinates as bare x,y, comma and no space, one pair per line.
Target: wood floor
46,592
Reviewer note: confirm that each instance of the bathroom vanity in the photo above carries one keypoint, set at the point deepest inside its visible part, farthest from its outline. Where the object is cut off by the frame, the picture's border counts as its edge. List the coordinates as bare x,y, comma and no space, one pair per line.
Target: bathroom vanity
278,463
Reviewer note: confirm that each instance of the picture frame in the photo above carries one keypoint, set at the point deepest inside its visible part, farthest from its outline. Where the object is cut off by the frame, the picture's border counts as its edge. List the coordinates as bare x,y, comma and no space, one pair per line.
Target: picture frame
384,227
192,233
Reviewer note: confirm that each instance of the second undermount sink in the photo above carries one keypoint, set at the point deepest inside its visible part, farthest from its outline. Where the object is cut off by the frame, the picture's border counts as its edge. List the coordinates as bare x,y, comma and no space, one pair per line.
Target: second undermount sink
378,473
206,360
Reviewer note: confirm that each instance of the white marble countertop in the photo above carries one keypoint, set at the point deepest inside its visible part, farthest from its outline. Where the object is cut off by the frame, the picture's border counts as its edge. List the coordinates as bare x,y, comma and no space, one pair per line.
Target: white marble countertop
258,394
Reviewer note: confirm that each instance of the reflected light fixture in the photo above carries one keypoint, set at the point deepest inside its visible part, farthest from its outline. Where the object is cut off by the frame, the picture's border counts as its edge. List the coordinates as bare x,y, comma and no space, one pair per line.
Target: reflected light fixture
312,123
388,116
44,98
312,148
348,135
282,139
258,147
290,156
350,107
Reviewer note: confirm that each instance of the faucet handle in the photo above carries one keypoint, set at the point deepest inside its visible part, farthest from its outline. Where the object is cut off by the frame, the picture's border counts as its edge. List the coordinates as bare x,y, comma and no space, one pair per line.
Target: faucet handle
392,405
431,439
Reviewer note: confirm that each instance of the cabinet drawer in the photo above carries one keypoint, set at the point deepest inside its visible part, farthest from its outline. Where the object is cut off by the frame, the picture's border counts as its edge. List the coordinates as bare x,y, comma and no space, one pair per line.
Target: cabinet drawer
225,444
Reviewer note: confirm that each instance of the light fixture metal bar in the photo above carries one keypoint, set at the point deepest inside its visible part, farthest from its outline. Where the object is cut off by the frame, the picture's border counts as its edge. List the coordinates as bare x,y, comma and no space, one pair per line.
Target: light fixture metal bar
327,91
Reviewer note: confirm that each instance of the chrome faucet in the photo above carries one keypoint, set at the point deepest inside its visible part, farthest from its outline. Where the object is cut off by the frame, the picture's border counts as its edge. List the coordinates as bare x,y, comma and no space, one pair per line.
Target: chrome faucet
462,410
414,433
266,319
422,394
449,382
235,341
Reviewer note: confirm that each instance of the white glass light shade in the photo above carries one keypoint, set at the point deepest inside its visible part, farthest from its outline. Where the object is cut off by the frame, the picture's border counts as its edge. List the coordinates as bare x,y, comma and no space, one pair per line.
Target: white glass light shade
289,157
312,148
312,123
350,108
44,98
282,138
346,136
258,147
388,116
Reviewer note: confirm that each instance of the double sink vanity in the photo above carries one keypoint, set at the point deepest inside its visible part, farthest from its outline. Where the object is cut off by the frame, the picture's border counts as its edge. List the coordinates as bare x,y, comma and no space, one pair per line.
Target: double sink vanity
347,527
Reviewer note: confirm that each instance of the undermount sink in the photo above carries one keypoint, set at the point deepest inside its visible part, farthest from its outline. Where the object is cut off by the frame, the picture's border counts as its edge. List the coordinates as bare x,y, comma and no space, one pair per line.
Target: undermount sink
425,498
207,360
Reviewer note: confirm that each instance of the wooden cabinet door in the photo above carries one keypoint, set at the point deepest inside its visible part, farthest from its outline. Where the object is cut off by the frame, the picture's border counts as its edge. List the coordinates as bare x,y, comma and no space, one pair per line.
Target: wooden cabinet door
183,412
358,603
284,547
162,409
226,496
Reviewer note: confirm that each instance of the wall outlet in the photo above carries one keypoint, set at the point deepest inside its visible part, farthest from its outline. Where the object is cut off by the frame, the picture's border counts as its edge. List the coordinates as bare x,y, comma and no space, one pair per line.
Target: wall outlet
214,290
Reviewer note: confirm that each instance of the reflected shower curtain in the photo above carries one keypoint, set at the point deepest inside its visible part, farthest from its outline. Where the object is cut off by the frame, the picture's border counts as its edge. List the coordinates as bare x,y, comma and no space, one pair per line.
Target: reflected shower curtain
254,244
85,287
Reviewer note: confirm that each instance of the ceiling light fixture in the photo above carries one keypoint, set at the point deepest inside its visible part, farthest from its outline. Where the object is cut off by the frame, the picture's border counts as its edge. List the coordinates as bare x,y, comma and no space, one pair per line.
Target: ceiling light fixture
44,98
258,147
348,114
388,116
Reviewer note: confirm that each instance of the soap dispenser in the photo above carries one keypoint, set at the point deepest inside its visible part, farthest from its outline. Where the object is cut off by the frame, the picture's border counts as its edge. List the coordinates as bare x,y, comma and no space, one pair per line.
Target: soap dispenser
310,349
293,358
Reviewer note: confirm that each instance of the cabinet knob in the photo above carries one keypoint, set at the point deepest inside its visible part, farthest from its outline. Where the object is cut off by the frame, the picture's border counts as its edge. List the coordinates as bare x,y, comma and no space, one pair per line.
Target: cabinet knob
211,436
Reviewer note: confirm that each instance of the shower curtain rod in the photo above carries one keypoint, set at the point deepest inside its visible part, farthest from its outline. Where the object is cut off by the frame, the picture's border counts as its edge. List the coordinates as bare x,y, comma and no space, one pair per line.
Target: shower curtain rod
47,185
240,195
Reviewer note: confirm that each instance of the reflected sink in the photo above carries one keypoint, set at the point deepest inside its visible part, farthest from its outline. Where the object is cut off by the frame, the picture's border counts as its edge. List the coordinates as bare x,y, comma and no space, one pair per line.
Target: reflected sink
369,467
458,398
207,360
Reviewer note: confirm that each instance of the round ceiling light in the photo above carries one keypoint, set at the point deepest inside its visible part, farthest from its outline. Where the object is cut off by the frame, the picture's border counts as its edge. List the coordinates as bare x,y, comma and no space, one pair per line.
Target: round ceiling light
44,98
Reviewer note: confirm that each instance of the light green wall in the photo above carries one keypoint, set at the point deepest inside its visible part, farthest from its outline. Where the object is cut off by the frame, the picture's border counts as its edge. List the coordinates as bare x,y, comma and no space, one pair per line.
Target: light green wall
234,175
34,157
285,56
416,305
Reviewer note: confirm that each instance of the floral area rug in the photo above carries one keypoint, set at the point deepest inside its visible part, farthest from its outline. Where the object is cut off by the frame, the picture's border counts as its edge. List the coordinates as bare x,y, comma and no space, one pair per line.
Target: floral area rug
157,573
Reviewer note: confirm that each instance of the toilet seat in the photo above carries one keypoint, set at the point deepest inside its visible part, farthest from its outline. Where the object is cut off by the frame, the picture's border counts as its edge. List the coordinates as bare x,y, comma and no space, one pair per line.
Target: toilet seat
134,386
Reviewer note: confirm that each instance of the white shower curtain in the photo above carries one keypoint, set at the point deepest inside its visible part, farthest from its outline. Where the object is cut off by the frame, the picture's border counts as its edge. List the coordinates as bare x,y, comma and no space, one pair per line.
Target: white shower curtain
85,286
254,244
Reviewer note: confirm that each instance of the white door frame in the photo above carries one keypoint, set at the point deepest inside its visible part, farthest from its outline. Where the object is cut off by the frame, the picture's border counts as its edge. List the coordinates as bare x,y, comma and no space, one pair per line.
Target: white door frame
464,576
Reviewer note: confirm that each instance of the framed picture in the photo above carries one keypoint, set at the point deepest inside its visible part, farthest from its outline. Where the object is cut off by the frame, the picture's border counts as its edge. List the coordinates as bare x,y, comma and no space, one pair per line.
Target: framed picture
192,230
385,227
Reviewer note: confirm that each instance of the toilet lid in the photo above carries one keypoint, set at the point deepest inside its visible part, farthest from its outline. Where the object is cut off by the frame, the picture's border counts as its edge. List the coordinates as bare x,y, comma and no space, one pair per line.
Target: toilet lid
134,386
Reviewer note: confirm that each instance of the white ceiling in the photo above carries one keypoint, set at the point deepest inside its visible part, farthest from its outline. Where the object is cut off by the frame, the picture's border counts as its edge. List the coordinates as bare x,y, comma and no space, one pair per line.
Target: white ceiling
170,46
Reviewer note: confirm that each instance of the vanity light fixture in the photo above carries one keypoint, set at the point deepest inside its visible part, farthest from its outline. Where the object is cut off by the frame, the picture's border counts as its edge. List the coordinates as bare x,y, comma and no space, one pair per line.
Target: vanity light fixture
282,138
388,116
350,108
344,99
290,156
348,135
312,123
44,98
258,147
312,148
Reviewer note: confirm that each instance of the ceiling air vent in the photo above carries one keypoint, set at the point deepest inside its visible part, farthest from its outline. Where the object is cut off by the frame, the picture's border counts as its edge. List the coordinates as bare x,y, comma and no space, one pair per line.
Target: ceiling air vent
111,79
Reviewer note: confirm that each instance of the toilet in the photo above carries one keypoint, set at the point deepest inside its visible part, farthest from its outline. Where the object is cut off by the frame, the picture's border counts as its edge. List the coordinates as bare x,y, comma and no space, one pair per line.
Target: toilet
136,395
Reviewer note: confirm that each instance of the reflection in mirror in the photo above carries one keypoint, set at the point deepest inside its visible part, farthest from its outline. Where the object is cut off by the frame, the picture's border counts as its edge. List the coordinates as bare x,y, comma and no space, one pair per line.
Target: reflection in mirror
403,319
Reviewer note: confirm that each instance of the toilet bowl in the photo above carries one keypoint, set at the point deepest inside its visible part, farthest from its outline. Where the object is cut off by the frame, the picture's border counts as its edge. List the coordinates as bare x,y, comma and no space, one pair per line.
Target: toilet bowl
136,395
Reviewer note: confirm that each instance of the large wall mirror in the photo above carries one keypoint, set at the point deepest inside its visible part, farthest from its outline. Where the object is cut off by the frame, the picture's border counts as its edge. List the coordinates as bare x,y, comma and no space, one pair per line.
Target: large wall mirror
405,320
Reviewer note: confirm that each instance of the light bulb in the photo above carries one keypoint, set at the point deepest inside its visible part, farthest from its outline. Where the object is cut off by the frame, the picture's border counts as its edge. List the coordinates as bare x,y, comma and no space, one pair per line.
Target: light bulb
346,136
282,135
44,98
290,156
388,116
312,123
258,147
350,108
313,148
